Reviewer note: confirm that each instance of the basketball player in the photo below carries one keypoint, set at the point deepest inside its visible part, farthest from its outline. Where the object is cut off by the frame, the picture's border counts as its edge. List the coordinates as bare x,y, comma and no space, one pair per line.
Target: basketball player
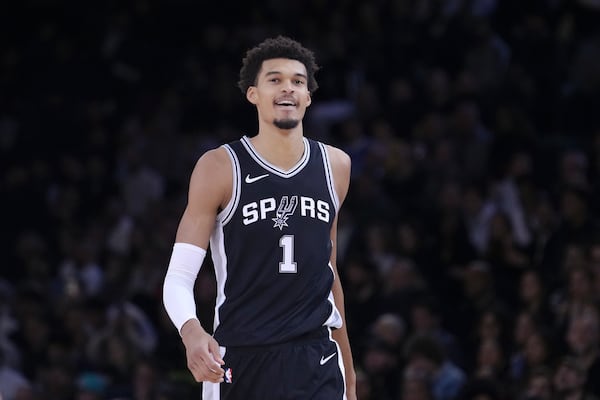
268,207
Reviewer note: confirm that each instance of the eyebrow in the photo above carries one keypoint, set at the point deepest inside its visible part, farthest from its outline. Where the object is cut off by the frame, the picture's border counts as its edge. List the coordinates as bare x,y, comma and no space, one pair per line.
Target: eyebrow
297,74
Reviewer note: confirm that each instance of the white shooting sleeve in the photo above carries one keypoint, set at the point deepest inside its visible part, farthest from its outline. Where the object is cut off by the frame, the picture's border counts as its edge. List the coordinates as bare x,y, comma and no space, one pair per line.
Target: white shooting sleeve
178,287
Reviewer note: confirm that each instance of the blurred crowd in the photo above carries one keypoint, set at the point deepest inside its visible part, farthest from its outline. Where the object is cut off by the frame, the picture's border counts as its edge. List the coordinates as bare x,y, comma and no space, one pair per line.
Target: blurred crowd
469,246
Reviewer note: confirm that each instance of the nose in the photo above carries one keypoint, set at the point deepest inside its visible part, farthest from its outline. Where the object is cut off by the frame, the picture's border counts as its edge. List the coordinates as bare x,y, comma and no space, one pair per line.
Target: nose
287,86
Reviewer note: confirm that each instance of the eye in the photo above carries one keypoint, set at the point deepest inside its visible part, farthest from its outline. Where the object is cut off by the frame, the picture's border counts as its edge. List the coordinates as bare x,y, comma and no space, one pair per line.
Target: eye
274,80
299,82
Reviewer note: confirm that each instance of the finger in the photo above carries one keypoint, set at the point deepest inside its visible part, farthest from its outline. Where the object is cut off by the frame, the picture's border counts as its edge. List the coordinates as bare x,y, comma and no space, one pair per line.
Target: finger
211,365
212,362
201,373
213,347
218,360
206,360
196,373
211,376
218,379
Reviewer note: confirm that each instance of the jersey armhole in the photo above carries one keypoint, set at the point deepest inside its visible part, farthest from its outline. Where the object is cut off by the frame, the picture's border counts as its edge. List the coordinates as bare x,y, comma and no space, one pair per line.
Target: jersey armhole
225,215
329,177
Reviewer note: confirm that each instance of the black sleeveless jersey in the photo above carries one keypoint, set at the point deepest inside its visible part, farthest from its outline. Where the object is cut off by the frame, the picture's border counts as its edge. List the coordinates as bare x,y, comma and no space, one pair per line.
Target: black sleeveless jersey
271,247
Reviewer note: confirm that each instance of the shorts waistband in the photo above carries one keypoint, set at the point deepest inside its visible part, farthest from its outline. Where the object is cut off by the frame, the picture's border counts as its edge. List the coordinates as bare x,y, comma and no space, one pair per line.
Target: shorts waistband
314,335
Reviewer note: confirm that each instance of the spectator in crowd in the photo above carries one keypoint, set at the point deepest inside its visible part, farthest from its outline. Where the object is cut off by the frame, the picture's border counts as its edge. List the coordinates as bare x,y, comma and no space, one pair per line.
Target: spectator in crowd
415,386
424,356
539,385
583,345
569,381
426,319
533,297
382,365
539,350
490,361
532,349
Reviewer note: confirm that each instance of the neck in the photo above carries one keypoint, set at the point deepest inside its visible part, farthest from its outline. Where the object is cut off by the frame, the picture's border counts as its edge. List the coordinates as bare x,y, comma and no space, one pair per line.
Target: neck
282,148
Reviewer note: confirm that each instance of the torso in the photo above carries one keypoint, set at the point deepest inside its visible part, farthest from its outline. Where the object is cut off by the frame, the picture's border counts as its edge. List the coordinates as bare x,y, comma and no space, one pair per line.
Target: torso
271,248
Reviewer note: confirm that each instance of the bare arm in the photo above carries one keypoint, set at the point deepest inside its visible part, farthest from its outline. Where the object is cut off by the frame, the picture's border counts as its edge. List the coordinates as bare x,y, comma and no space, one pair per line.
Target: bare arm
341,165
209,190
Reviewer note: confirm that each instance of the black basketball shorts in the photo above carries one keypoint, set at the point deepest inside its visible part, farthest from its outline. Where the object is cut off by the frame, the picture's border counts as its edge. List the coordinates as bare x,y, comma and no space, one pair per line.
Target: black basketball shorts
308,368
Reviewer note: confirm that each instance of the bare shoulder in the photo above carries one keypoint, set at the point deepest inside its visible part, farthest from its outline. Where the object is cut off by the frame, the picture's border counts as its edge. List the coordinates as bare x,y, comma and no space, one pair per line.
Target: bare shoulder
338,157
214,161
341,165
212,176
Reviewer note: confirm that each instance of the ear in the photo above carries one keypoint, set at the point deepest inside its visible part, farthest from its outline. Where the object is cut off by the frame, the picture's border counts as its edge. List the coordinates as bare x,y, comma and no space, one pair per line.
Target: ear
309,99
251,95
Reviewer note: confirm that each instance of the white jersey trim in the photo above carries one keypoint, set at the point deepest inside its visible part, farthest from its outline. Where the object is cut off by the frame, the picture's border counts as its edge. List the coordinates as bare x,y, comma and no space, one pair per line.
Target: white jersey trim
225,215
219,257
272,168
335,318
329,175
340,361
217,243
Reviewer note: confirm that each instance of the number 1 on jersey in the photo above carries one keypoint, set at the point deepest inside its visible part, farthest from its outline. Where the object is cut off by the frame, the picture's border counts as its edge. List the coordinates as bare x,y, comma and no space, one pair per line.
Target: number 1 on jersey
287,265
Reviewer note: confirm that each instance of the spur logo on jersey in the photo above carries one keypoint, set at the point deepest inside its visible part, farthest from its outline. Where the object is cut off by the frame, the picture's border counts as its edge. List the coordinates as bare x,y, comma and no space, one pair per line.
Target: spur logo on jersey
280,211
285,209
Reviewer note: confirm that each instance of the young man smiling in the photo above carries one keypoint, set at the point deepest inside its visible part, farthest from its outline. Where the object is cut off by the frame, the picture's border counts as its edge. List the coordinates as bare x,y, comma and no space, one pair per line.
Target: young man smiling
267,205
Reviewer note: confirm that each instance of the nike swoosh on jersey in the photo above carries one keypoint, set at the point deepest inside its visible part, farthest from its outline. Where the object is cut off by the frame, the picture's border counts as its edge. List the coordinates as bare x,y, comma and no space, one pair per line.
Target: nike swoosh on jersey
256,178
325,359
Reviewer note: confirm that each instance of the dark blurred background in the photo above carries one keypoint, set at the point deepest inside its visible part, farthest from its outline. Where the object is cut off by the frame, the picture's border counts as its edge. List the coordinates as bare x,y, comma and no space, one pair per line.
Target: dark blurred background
469,245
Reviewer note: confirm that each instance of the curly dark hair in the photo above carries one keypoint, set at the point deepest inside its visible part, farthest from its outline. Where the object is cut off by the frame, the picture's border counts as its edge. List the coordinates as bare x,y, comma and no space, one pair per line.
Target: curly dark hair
278,47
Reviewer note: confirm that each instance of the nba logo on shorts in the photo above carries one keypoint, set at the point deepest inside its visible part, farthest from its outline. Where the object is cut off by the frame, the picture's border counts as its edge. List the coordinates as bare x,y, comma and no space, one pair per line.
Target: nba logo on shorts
228,376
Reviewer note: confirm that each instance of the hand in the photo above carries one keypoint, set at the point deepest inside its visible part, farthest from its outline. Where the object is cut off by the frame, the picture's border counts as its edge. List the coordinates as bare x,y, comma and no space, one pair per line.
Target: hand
202,352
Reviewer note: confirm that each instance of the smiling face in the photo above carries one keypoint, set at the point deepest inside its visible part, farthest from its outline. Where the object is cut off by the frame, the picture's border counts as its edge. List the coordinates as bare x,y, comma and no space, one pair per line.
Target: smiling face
281,93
